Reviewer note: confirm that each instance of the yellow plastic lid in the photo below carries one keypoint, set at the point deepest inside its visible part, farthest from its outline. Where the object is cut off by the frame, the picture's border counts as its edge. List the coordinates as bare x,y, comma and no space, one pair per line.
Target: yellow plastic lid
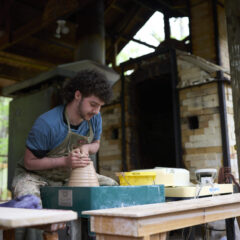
136,174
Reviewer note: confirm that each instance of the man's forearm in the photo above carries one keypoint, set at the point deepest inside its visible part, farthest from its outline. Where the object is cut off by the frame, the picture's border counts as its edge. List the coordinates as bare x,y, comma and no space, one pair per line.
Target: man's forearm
45,163
33,163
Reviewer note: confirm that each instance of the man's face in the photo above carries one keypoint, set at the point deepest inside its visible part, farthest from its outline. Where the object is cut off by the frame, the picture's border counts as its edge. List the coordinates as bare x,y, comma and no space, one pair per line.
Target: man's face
89,106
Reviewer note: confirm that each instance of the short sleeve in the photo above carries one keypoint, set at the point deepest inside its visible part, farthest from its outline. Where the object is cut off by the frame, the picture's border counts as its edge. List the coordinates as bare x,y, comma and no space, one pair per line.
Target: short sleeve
39,136
97,127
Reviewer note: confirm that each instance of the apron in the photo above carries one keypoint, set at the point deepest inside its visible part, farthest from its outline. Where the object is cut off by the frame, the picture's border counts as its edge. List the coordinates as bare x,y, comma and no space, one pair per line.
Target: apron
72,140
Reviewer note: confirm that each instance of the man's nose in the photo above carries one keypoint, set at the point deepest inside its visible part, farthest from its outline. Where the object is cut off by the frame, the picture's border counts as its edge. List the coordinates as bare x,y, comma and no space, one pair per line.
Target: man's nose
96,110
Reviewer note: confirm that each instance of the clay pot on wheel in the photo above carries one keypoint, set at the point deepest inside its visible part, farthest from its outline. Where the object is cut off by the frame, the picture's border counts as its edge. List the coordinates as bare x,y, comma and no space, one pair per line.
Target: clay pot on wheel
84,177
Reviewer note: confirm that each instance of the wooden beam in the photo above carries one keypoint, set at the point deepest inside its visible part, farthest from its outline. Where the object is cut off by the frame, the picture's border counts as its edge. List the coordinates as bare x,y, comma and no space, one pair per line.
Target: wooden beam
54,10
127,20
4,82
161,6
143,43
17,73
23,62
121,28
108,7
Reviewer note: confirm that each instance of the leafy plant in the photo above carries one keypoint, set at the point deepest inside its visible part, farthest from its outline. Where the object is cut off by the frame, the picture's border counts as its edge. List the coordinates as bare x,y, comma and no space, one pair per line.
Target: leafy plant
4,111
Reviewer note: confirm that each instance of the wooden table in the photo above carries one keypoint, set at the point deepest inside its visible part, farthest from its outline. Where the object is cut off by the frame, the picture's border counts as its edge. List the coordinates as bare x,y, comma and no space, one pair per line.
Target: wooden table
153,221
11,218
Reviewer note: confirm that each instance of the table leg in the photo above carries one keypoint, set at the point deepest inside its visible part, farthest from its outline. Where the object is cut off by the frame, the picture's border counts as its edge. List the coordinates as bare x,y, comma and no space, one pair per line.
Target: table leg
163,236
50,235
230,228
9,234
159,236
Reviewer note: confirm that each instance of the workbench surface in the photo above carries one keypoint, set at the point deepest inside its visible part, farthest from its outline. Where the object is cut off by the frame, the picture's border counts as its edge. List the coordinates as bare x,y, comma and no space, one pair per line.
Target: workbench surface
19,217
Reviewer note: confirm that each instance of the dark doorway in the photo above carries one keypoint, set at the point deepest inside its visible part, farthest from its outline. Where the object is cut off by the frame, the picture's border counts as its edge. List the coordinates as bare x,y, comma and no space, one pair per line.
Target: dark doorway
154,120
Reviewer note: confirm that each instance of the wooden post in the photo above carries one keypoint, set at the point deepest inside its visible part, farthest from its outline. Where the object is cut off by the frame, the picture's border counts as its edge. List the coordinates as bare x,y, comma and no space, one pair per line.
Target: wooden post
9,234
50,235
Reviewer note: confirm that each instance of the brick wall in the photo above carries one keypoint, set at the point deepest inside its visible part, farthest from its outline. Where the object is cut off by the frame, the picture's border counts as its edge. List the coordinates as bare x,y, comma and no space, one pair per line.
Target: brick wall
202,147
110,159
110,152
201,130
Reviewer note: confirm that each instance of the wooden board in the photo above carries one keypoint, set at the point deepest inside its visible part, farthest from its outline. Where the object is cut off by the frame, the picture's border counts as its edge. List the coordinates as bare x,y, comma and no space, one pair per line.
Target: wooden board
145,221
19,217
167,207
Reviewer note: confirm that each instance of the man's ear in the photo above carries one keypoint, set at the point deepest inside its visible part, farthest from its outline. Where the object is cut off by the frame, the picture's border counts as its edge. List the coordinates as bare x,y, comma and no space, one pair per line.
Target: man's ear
78,95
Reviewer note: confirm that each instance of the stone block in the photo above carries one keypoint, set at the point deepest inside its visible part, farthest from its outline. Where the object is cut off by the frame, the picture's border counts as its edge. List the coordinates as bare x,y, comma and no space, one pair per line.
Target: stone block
204,124
188,145
209,131
210,101
212,110
210,91
197,138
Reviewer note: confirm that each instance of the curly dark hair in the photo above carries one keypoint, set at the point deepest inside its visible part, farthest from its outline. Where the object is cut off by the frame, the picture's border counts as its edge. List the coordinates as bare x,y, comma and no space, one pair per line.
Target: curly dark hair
88,82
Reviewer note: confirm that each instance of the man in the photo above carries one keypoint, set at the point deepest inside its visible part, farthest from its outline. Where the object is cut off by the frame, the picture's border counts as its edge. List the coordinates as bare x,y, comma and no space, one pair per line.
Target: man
64,137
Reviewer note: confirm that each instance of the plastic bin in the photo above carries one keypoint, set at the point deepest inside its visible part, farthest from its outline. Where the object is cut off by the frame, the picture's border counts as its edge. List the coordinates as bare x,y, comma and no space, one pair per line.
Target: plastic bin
136,178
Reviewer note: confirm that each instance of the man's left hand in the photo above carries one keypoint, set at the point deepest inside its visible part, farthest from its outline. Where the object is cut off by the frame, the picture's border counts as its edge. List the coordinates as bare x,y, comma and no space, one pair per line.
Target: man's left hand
84,149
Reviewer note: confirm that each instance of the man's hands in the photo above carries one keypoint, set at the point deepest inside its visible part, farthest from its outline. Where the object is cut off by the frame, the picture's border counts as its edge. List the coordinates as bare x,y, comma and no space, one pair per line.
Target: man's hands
79,157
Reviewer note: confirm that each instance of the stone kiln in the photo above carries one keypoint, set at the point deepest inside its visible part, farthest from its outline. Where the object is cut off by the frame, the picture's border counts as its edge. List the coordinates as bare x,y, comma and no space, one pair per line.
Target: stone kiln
153,117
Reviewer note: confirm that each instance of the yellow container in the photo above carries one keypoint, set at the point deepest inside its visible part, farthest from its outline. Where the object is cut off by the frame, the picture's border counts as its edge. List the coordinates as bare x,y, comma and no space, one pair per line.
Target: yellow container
136,178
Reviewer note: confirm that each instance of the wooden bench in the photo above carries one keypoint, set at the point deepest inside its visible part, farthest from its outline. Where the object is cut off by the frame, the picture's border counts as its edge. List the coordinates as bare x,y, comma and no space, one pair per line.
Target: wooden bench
11,218
153,221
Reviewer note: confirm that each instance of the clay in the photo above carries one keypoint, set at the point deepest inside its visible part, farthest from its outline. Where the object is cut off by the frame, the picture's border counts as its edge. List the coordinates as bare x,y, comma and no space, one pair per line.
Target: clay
84,177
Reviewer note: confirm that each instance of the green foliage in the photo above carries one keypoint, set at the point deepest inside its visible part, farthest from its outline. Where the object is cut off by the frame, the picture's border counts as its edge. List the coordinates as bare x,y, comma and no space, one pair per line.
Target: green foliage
4,110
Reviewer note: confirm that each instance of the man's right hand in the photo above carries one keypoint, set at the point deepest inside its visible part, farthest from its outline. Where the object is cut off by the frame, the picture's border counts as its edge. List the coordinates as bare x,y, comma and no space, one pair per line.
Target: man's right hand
77,159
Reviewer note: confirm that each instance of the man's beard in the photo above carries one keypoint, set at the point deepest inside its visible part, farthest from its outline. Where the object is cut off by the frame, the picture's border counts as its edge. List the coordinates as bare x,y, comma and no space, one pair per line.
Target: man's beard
84,116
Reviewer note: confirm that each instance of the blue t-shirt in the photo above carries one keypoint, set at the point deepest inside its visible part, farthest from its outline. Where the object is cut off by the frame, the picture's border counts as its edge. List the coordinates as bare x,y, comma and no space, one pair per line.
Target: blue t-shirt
50,129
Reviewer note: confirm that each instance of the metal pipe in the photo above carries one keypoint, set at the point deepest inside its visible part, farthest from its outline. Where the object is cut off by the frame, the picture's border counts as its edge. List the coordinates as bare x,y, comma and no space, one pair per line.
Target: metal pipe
124,160
167,29
225,144
176,109
223,119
